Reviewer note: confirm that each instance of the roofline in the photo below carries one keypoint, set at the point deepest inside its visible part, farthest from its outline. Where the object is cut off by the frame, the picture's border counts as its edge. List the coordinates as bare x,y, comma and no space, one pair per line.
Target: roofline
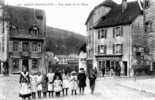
92,11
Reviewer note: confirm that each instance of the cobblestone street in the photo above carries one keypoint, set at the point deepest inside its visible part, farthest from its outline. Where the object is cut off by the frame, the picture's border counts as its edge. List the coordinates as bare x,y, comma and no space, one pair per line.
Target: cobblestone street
106,89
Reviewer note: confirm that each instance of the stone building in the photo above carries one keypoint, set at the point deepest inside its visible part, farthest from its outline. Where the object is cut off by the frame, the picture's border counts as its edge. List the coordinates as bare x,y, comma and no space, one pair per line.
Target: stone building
149,14
26,31
116,36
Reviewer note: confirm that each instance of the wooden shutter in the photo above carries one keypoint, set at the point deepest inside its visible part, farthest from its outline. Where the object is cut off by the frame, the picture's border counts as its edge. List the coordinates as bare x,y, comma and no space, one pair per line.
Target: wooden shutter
113,32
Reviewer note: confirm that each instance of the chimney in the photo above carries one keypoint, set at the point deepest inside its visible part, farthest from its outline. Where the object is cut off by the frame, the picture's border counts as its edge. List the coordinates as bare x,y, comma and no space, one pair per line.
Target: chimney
124,5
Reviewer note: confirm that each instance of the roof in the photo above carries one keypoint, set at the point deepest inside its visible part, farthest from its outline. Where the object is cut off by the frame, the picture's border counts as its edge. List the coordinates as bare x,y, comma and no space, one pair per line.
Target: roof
107,3
116,17
23,18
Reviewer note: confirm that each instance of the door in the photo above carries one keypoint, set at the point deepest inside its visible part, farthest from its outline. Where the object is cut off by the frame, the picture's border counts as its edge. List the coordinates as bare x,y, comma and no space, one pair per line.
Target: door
125,68
26,63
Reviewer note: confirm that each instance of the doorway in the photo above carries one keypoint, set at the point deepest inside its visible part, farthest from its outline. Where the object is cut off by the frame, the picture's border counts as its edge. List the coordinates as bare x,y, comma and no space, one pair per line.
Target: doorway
125,67
26,63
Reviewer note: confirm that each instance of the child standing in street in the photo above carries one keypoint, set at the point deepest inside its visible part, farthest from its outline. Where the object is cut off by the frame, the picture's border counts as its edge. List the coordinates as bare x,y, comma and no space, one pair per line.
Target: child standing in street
65,83
39,85
33,81
73,83
50,83
57,85
44,85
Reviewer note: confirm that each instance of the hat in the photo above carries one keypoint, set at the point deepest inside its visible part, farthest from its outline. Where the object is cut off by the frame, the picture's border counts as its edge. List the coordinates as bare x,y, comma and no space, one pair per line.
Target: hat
73,72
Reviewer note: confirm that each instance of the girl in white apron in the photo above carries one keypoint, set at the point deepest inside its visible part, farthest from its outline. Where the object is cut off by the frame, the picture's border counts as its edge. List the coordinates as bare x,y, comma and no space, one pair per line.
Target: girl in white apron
39,84
65,83
73,83
25,89
50,83
33,81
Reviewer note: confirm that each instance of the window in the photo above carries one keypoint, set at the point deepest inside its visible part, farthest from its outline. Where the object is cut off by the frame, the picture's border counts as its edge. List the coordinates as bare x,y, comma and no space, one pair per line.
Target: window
117,31
102,49
34,30
34,63
148,26
39,17
15,63
34,47
118,48
25,46
102,33
15,45
147,4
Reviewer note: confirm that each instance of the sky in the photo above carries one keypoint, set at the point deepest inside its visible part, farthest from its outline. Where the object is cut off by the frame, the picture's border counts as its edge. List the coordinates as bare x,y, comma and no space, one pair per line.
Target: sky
64,14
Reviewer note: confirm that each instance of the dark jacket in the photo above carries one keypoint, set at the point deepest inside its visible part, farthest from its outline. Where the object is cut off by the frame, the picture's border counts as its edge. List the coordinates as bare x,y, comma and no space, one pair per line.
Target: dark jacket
82,79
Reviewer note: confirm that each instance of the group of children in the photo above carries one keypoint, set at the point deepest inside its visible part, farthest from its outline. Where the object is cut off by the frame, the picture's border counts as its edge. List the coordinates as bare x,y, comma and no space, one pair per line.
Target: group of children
52,84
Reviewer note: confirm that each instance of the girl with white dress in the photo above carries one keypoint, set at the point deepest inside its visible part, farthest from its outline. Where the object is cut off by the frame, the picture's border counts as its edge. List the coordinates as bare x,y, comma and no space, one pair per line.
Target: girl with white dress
25,89
39,84
65,78
50,83
33,81
57,85
73,83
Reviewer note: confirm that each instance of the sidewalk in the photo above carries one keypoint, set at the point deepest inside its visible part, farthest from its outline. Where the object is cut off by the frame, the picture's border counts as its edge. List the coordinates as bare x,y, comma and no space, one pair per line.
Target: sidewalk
143,85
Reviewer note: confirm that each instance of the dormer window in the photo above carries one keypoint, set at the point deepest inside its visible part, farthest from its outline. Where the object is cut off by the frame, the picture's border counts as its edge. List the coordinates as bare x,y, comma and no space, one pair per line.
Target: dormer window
34,30
147,4
148,26
13,28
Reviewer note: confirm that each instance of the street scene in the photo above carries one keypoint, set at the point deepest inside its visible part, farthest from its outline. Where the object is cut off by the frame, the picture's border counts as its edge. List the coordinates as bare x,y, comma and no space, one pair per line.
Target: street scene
100,50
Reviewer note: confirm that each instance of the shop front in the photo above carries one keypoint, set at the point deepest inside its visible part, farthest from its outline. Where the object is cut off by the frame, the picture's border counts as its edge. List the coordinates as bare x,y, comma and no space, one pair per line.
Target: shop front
109,64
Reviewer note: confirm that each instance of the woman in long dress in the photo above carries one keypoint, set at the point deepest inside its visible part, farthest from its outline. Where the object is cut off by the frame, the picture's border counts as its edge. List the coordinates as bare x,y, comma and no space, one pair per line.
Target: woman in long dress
25,89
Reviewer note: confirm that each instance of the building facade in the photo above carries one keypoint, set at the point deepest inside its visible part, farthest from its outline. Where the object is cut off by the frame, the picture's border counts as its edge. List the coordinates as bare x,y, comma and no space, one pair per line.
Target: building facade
26,32
116,38
149,9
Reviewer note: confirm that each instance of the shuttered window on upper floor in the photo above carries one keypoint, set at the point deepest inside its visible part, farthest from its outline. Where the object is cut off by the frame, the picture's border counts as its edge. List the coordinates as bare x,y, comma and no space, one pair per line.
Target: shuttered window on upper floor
102,33
117,31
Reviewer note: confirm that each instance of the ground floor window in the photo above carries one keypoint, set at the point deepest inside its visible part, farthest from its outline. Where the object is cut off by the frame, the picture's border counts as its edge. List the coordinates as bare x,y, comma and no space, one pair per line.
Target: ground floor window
15,63
35,63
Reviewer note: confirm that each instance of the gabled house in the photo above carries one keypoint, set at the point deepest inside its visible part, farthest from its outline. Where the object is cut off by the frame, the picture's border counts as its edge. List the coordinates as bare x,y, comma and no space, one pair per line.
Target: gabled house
116,38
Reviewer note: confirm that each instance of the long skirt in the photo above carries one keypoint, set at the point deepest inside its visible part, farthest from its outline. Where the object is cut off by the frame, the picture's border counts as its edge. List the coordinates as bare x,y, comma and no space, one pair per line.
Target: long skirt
25,90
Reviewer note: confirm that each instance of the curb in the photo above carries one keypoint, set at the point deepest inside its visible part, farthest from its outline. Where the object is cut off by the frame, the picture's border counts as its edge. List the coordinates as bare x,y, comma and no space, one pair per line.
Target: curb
137,89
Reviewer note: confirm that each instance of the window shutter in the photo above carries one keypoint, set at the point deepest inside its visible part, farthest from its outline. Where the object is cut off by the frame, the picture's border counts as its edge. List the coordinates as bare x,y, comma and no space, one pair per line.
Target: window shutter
121,48
113,48
113,32
98,48
98,31
121,30
105,33
105,49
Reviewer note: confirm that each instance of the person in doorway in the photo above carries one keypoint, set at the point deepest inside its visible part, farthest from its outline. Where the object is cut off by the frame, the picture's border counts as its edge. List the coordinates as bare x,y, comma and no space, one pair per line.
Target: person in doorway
25,89
103,71
92,77
82,80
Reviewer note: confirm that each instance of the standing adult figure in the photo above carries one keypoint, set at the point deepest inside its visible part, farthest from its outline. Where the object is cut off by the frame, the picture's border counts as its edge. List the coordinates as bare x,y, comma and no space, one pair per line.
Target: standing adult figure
82,80
25,89
92,75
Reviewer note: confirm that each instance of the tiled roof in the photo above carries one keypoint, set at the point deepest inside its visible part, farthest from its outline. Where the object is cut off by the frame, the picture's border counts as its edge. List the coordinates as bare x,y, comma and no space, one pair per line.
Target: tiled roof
116,17
107,3
23,18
